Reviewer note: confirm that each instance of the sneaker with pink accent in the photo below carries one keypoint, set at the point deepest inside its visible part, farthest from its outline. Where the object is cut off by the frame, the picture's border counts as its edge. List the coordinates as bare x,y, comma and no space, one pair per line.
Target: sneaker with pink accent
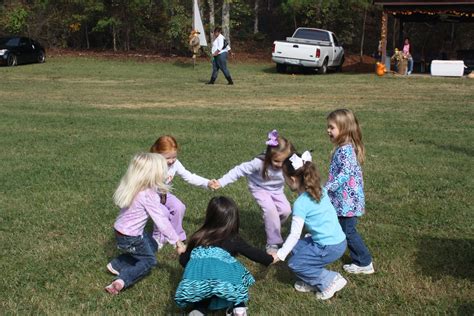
355,269
115,287
337,284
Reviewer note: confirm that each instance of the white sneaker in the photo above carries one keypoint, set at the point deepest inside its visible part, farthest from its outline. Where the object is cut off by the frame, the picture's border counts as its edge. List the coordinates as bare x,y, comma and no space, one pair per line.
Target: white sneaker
240,311
111,269
301,286
337,284
355,269
271,248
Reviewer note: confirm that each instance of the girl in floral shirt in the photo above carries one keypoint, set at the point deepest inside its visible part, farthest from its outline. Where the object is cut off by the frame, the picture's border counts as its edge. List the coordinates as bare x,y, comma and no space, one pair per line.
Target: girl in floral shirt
345,185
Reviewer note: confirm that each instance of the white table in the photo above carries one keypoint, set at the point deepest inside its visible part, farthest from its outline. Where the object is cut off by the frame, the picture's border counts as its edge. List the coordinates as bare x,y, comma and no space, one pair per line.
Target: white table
449,68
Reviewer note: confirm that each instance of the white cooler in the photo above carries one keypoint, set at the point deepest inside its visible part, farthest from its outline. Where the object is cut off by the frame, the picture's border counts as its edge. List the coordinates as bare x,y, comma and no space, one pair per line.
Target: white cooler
450,68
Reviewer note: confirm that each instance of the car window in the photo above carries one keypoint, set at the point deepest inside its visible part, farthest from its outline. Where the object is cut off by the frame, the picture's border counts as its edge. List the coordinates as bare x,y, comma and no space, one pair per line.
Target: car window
312,35
24,42
10,41
336,42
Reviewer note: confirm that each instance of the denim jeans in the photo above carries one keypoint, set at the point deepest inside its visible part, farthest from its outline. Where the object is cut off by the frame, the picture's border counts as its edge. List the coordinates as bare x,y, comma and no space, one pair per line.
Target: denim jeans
138,257
220,62
309,259
359,253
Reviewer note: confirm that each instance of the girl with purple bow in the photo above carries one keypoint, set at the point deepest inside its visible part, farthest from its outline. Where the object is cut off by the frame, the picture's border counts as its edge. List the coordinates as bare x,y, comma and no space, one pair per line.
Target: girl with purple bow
266,183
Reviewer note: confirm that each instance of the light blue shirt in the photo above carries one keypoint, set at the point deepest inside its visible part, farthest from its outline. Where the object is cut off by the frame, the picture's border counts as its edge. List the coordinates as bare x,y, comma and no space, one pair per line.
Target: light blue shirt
320,219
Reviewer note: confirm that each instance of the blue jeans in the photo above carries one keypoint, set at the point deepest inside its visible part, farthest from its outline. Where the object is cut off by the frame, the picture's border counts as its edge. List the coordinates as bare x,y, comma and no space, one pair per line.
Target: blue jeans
138,257
410,64
309,259
359,253
219,62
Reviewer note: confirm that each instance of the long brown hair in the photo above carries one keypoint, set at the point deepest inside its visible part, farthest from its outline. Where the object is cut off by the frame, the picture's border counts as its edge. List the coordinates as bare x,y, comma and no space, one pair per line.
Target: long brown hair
164,144
222,222
284,147
349,131
307,175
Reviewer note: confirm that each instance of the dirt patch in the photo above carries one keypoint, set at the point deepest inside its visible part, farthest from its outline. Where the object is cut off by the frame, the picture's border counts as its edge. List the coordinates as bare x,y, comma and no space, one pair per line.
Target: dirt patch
353,63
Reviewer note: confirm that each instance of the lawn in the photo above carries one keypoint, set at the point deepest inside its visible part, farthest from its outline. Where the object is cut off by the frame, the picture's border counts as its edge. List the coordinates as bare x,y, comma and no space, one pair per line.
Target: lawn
69,127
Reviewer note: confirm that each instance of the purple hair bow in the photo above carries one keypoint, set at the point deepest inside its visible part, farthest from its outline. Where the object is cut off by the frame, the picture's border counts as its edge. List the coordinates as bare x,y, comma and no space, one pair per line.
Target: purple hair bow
272,138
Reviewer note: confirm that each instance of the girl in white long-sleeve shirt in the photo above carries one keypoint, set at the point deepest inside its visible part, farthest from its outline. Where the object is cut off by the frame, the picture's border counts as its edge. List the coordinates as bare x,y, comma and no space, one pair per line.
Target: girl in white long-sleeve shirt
266,183
167,146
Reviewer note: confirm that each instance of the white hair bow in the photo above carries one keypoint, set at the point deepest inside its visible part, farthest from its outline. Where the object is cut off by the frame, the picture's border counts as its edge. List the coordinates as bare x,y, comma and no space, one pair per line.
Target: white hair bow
298,162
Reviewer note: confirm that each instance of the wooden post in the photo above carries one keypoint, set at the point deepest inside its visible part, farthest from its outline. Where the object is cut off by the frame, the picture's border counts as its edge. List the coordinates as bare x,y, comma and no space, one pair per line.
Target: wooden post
383,37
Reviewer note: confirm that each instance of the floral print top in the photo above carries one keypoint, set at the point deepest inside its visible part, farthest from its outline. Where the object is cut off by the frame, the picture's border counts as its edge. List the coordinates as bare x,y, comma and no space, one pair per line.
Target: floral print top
345,184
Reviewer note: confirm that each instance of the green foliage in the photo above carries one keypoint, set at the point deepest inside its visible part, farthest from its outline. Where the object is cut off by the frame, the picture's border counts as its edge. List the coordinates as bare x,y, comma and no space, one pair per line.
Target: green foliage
17,20
178,27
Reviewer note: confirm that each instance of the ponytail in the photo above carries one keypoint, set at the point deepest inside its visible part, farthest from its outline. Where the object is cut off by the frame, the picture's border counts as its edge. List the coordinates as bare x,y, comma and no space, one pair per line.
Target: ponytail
308,176
311,180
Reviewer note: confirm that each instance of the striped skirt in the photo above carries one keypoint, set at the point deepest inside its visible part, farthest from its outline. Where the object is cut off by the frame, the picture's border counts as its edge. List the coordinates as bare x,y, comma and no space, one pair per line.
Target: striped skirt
213,274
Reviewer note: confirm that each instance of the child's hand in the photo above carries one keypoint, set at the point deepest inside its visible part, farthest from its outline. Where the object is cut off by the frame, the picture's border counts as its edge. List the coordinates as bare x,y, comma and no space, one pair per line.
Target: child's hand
180,247
275,258
214,184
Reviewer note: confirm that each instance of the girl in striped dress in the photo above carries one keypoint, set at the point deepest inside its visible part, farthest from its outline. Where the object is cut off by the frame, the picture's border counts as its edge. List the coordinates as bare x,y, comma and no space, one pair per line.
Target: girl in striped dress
213,278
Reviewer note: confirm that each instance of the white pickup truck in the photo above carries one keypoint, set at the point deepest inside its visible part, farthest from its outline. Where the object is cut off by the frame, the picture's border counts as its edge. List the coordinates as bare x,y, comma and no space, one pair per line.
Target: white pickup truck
309,47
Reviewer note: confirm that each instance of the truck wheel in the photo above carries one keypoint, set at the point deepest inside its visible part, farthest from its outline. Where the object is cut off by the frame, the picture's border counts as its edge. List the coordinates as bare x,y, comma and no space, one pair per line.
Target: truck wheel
339,68
281,68
324,68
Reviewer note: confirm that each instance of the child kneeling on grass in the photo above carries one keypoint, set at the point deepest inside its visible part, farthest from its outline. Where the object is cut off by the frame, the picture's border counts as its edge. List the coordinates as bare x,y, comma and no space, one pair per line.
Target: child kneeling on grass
213,279
326,242
139,197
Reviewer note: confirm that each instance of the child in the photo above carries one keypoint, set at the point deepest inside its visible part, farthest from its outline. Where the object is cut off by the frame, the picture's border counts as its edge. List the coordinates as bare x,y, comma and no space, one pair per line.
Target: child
213,279
138,196
168,147
266,183
326,242
345,184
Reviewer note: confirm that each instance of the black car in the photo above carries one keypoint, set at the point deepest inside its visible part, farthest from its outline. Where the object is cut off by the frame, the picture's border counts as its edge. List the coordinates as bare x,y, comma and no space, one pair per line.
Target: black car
16,50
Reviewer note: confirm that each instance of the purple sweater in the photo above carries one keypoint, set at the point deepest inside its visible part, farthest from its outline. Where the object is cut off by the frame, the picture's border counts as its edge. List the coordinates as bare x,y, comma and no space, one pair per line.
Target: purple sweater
253,171
132,220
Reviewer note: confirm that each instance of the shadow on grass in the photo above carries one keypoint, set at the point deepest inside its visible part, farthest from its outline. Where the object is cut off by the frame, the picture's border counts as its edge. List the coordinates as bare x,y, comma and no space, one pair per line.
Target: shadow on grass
438,257
466,150
182,64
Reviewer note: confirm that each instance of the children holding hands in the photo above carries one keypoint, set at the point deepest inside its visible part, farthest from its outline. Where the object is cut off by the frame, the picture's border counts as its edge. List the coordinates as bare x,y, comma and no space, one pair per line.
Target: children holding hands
213,278
138,195
266,183
326,241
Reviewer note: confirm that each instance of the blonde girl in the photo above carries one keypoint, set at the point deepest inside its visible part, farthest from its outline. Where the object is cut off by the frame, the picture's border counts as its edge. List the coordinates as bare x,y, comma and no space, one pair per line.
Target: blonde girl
325,243
266,183
345,184
167,146
138,196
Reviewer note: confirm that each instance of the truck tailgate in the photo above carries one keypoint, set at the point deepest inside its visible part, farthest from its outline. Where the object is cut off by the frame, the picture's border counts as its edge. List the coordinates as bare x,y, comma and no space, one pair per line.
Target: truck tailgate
295,50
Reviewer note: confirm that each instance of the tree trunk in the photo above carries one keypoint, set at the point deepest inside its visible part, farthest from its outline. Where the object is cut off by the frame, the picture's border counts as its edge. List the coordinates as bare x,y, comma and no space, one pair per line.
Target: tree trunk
87,36
211,20
255,23
226,19
363,35
114,37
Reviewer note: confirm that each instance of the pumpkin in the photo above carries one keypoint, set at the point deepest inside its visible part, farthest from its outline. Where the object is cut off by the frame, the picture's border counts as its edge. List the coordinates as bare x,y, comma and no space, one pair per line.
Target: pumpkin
380,69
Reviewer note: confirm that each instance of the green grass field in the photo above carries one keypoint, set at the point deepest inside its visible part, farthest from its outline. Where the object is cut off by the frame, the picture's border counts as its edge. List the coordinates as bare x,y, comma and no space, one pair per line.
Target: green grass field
68,129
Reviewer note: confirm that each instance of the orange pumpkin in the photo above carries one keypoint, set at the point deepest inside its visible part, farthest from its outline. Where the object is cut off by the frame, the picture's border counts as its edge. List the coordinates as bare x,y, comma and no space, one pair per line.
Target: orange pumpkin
380,69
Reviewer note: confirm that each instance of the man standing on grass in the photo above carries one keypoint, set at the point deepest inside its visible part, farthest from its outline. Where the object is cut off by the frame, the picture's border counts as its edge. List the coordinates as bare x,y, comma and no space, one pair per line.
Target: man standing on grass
220,49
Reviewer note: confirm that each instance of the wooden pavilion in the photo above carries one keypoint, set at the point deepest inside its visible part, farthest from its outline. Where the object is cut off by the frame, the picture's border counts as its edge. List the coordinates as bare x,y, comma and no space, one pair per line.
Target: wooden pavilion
422,11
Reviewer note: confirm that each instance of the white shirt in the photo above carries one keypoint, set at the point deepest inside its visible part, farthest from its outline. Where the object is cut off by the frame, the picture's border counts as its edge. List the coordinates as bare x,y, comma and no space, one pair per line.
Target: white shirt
217,45
191,178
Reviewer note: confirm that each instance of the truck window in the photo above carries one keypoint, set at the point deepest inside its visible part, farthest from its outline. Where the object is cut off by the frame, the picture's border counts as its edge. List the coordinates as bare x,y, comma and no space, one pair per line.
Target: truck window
312,35
336,42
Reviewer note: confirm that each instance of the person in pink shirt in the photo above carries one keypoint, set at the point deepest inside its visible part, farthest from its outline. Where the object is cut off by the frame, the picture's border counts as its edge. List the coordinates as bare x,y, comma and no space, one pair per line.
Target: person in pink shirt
407,53
266,183
167,146
139,197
